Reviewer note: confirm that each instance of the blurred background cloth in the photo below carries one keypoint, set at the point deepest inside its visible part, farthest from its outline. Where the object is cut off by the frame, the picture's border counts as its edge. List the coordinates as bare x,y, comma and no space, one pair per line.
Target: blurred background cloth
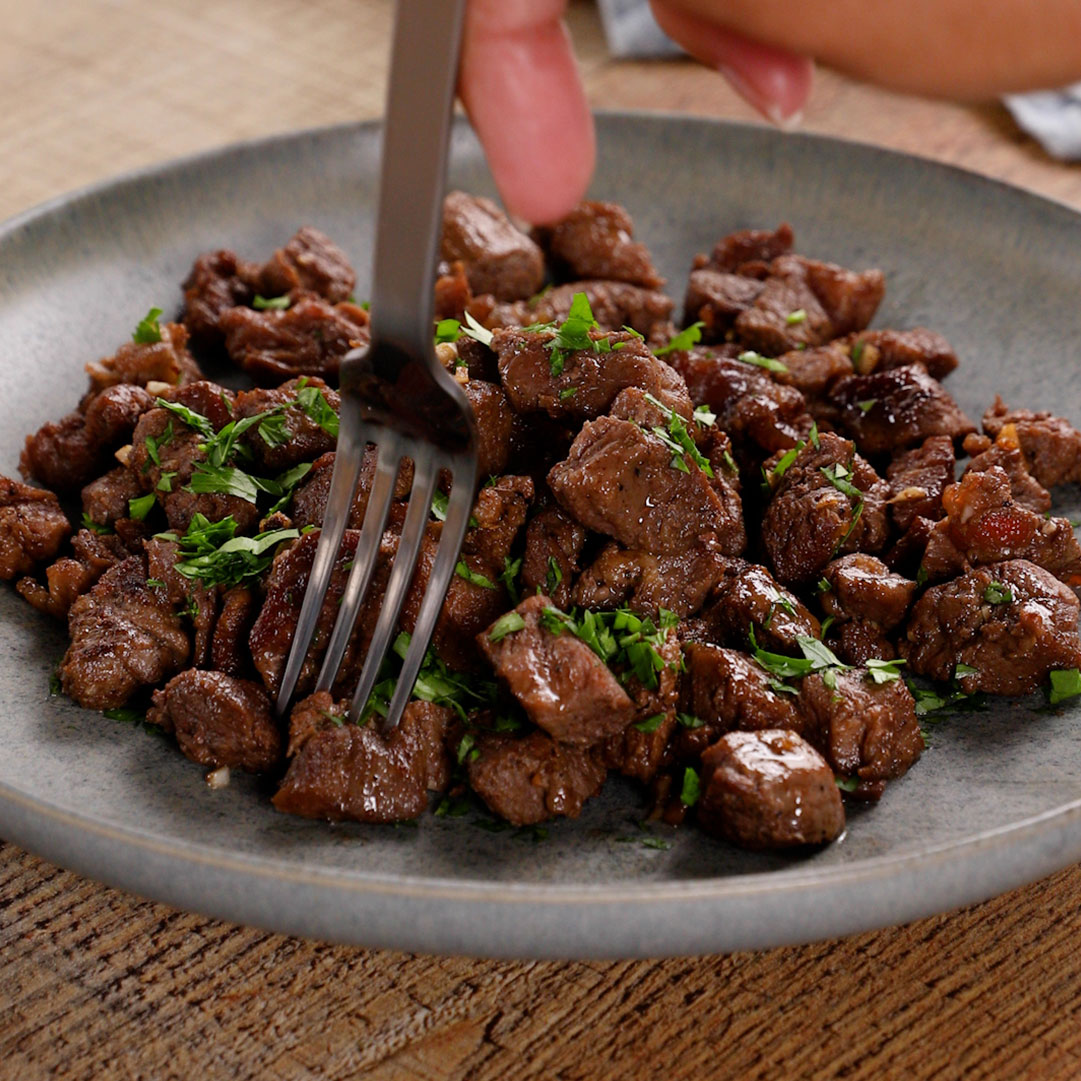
1053,117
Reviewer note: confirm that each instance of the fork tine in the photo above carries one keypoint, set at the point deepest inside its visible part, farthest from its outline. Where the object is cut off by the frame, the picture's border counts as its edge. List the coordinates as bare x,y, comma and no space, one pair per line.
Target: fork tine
343,482
389,455
416,517
458,507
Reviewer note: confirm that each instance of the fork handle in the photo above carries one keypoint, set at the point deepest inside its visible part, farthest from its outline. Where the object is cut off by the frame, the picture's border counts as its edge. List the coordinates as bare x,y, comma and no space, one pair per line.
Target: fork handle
424,69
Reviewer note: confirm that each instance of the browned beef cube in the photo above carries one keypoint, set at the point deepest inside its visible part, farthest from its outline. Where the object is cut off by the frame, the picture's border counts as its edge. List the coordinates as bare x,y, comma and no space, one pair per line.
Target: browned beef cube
106,499
310,337
498,258
306,440
71,452
310,500
620,480
353,772
881,350
229,651
596,240
310,263
715,298
804,301
123,637
724,689
863,587
769,789
1005,452
615,305
499,513
749,404
553,543
532,778
164,361
218,281
589,379
864,729
495,421
750,251
273,630
32,527
889,411
1051,445
985,525
917,479
747,599
562,684
1012,622
91,556
219,721
453,295
859,640
639,750
828,501
646,583
198,603
813,371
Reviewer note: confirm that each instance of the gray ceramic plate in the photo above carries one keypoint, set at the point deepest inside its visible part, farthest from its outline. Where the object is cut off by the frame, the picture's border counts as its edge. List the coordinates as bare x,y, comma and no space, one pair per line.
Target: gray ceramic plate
996,800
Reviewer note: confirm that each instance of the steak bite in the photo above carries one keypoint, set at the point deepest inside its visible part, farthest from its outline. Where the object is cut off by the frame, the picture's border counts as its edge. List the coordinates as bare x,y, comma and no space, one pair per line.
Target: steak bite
615,305
769,789
813,371
748,599
32,527
1051,445
1005,452
891,410
646,583
751,251
804,301
553,544
70,453
498,257
724,690
217,281
197,602
92,554
983,524
716,298
531,778
229,651
564,687
309,263
342,771
310,337
596,240
107,499
305,439
863,587
864,729
828,500
124,636
495,425
588,380
620,480
881,350
1012,622
219,721
310,498
917,478
164,361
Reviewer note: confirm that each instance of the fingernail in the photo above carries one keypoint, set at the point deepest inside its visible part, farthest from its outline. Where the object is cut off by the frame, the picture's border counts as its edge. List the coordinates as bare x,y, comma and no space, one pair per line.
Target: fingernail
768,102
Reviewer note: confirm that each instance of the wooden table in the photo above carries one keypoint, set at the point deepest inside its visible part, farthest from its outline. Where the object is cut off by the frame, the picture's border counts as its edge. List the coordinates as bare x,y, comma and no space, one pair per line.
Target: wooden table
97,984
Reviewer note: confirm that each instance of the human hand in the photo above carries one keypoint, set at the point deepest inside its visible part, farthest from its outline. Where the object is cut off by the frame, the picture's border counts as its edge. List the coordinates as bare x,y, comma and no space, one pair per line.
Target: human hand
520,84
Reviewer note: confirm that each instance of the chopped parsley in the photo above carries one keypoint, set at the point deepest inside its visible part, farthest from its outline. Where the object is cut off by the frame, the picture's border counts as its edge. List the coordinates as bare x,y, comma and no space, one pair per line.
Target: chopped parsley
823,585
997,593
509,576
884,671
691,789
759,361
650,724
963,670
504,625
553,576
704,415
477,331
148,331
447,331
656,842
678,440
1065,683
867,405
847,784
692,335
572,335
567,392
793,319
270,304
154,444
474,578
212,554
96,527
785,461
141,506
688,720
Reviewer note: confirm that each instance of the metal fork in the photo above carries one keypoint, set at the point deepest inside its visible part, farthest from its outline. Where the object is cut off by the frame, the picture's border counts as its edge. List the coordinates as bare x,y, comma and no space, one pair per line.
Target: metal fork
394,393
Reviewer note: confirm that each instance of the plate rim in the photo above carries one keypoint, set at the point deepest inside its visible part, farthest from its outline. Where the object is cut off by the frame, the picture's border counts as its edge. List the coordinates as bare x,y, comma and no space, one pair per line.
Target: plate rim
53,832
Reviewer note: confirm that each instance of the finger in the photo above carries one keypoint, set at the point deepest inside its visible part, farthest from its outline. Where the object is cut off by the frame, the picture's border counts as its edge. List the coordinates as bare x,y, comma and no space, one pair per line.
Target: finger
953,48
519,83
775,81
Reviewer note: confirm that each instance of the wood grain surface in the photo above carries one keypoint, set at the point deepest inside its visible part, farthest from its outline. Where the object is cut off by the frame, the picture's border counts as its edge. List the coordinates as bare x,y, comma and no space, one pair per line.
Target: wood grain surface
97,984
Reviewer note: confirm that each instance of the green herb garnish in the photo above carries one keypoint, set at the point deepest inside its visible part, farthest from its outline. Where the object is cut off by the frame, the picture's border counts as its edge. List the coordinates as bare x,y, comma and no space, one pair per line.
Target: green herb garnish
148,330
1065,683
270,304
759,361
692,335
141,506
691,789
997,593
504,625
